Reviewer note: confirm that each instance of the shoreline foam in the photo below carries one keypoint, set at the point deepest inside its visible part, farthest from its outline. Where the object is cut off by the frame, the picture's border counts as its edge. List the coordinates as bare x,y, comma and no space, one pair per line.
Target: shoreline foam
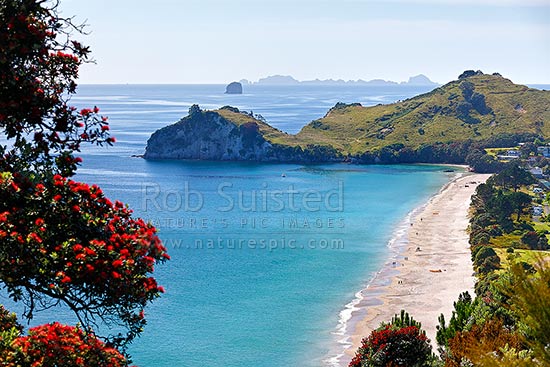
384,295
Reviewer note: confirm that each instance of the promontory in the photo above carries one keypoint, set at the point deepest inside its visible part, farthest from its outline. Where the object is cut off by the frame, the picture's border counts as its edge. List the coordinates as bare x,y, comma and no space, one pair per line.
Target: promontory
446,125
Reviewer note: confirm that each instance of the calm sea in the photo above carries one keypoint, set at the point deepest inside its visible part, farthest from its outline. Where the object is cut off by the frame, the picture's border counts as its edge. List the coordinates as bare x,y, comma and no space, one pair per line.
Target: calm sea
265,257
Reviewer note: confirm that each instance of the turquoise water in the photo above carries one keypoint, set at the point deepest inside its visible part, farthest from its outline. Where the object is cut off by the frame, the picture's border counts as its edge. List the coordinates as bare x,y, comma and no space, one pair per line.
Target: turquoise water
254,305
264,257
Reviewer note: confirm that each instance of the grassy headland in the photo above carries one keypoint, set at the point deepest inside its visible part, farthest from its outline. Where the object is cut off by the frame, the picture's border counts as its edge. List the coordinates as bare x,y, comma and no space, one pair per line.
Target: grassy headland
451,124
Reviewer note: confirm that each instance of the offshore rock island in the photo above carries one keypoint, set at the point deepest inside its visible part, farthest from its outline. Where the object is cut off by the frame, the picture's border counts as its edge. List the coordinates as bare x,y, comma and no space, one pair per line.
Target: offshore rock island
234,88
451,124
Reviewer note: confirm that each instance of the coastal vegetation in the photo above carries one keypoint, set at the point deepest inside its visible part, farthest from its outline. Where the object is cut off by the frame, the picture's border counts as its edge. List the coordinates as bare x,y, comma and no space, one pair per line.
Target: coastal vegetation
62,242
454,123
402,342
510,257
506,322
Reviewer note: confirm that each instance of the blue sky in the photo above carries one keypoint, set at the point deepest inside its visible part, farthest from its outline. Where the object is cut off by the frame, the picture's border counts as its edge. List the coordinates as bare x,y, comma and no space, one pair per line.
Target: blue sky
217,41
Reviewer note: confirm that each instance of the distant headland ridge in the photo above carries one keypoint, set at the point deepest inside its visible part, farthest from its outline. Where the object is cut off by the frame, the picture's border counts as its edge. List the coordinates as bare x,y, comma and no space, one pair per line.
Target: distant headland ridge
417,80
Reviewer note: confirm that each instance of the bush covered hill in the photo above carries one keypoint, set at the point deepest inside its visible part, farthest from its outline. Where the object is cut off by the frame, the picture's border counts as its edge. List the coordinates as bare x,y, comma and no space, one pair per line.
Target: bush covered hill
444,125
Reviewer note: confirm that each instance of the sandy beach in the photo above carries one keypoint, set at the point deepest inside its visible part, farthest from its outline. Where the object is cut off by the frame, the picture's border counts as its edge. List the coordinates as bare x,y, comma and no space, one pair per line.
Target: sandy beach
433,269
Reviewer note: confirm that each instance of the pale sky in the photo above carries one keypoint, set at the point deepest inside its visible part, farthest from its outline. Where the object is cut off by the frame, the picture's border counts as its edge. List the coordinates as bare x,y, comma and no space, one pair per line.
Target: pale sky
218,41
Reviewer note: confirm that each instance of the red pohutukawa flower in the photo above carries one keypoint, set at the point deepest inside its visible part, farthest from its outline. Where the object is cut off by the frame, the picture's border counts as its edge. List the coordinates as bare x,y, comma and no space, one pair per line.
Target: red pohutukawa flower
61,345
393,346
64,240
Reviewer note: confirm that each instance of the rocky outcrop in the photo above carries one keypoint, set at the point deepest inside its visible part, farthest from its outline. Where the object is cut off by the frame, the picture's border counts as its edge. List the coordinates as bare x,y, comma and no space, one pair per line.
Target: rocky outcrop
437,127
234,88
207,135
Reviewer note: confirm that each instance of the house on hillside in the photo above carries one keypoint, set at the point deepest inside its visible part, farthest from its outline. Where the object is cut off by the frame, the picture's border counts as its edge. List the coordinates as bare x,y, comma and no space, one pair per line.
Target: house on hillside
509,154
544,150
537,172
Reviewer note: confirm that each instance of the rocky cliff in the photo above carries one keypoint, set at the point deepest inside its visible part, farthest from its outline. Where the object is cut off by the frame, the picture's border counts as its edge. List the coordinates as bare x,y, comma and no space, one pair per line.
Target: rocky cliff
229,134
442,126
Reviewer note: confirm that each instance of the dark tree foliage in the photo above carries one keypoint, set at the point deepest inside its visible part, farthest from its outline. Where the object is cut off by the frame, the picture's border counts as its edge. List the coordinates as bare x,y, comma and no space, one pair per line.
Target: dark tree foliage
485,260
482,196
61,241
467,89
195,110
512,176
460,318
535,241
394,346
519,201
472,345
402,342
463,109
482,162
405,320
469,73
478,103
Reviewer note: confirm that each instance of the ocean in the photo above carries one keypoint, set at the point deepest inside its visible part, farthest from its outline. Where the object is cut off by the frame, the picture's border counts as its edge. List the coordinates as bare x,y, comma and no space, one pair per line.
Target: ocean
267,259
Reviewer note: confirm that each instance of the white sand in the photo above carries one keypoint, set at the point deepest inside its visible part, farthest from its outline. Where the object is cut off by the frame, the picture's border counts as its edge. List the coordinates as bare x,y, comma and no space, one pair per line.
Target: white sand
431,279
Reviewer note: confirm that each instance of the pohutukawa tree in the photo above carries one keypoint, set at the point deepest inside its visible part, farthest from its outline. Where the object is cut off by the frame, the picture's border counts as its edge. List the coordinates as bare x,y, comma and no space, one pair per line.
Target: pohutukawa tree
402,342
61,241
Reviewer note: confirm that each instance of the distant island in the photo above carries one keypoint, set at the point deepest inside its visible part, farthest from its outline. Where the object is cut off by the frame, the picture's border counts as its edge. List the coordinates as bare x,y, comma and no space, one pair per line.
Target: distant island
418,80
451,124
234,88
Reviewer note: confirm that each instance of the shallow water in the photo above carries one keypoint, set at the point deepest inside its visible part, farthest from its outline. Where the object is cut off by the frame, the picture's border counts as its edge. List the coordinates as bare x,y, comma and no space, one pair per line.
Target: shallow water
262,265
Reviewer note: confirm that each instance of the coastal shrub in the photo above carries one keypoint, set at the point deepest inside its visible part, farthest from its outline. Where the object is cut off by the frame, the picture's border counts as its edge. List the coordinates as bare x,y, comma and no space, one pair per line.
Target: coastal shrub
512,176
405,320
534,240
482,162
527,268
524,226
321,153
506,224
475,230
489,264
194,110
530,298
476,249
481,198
61,345
483,219
482,238
475,344
250,134
463,108
530,238
460,318
469,73
394,346
495,231
478,103
486,259
230,108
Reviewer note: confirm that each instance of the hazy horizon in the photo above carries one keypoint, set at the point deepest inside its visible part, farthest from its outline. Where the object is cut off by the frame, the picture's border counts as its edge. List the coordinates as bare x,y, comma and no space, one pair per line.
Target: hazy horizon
216,42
